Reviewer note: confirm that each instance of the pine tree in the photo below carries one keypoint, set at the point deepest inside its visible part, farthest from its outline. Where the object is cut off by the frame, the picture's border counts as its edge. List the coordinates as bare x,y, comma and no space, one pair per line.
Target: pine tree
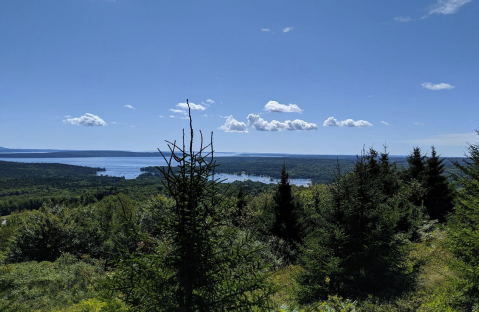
355,250
285,224
439,197
199,262
464,225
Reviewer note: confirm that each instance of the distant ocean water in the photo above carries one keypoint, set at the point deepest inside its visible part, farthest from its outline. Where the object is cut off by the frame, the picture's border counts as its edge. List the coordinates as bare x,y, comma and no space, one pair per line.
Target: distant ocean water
129,167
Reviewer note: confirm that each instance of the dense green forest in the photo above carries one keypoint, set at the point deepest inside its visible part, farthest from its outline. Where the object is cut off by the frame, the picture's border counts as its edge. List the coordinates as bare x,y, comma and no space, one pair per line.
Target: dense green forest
374,234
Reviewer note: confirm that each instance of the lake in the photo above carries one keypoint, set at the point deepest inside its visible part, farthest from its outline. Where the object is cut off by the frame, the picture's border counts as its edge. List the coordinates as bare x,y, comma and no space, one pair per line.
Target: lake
129,167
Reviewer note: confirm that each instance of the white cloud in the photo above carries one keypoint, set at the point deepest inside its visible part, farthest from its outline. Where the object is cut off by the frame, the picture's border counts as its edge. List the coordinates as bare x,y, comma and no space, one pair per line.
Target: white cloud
205,115
275,107
210,101
402,19
435,87
178,111
333,122
86,120
287,29
171,116
161,116
260,124
115,123
233,125
446,7
385,123
193,106
132,126
265,29
418,123
129,106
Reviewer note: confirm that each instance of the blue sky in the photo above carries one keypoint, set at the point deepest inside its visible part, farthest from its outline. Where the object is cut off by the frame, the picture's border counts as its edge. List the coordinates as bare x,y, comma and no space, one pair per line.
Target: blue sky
311,77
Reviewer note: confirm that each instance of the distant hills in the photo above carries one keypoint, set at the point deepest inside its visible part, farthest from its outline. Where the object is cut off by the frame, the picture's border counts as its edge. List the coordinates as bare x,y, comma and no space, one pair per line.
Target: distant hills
21,150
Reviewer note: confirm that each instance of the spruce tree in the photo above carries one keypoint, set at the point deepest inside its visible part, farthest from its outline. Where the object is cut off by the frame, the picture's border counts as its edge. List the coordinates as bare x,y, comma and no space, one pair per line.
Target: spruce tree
355,250
463,226
439,197
199,261
285,223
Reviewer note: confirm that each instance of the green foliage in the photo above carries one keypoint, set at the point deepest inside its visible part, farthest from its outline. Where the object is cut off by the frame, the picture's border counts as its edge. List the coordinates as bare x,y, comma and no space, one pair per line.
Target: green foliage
429,172
285,216
355,249
47,286
464,226
53,230
197,261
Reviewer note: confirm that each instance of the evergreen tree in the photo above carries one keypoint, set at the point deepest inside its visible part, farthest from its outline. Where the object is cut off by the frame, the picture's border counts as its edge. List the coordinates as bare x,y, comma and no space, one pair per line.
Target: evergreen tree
439,197
355,250
240,206
285,223
417,165
464,225
436,194
199,262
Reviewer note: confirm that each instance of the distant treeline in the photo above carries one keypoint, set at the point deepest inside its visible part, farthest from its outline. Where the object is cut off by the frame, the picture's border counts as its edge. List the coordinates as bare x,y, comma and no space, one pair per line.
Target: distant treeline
318,169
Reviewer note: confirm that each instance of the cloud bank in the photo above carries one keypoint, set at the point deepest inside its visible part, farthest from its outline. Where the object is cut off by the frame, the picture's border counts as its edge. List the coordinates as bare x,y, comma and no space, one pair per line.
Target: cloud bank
435,87
275,107
333,122
233,125
193,106
86,120
260,124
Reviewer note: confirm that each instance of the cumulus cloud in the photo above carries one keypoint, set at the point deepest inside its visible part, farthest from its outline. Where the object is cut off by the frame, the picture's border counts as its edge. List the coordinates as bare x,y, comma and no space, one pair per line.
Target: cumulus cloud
333,122
129,106
275,107
446,7
260,124
86,120
233,125
265,29
435,87
287,29
193,106
210,101
178,111
385,123
403,19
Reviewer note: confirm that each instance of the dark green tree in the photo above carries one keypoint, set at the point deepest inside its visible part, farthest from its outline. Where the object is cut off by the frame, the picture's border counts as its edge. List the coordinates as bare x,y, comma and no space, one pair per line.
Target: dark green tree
355,250
285,218
428,172
464,225
199,261
439,193
417,165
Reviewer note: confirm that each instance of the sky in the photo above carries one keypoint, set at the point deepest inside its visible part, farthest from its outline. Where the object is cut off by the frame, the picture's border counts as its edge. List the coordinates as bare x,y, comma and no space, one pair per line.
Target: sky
299,77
